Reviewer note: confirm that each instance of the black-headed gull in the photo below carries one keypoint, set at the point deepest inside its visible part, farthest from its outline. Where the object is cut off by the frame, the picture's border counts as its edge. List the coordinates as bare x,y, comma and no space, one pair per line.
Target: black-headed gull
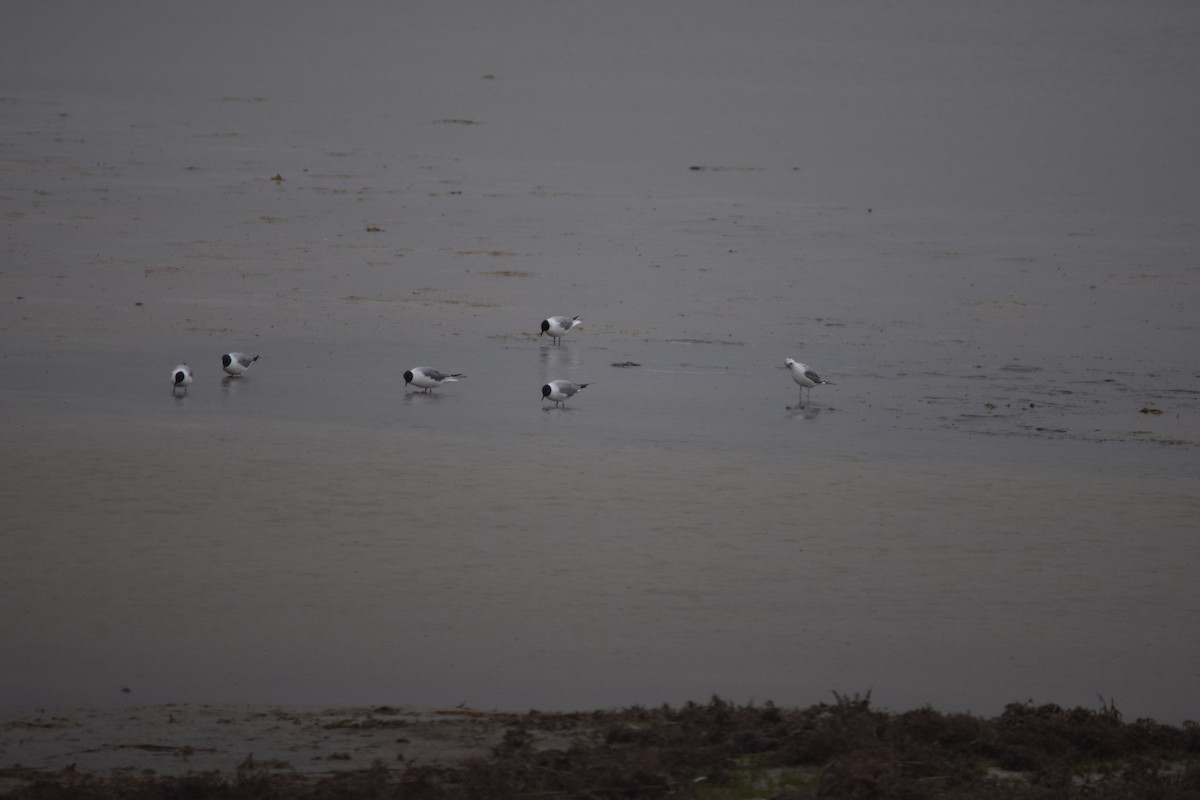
805,377
557,326
237,363
181,376
559,391
427,378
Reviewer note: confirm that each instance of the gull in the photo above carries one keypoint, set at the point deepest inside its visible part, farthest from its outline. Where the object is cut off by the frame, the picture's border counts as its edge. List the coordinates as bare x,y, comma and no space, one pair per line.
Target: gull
237,363
804,376
427,378
557,326
181,376
559,391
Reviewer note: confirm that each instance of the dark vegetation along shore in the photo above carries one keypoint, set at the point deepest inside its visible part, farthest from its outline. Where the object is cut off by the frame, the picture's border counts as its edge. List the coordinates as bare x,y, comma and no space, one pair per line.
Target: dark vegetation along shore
846,749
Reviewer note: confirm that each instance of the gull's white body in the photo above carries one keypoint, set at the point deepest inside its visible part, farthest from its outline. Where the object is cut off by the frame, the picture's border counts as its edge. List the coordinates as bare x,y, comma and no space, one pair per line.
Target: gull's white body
804,377
427,378
559,391
181,376
558,326
236,364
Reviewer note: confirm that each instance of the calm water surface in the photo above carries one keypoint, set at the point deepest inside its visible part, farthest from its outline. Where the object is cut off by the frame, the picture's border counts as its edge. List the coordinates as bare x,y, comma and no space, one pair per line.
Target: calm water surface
671,535
979,223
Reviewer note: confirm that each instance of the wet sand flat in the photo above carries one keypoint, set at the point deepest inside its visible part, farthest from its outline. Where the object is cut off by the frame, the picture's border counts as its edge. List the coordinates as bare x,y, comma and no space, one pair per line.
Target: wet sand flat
994,502
182,739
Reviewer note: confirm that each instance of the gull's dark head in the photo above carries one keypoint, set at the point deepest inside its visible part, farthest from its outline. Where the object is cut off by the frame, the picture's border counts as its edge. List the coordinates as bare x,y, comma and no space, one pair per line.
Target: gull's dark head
546,390
226,360
407,377
545,326
179,376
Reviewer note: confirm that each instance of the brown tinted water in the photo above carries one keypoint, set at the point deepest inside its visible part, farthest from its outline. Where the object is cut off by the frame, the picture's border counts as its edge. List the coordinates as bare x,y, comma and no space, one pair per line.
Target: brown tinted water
995,501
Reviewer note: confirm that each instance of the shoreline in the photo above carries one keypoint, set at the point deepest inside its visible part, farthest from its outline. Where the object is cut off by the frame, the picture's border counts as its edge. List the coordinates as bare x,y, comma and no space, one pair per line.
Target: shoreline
178,738
447,749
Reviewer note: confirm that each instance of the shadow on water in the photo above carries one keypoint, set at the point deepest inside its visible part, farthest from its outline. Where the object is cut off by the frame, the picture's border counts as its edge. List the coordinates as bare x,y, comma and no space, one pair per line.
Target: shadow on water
425,397
804,412
558,362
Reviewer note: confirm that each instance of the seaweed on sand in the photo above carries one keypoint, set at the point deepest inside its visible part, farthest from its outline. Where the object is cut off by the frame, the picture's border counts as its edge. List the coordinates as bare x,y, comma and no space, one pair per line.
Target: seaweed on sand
846,749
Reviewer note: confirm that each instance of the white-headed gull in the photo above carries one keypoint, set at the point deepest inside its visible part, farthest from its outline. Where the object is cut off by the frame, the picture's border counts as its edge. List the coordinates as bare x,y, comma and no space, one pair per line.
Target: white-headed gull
559,391
427,378
805,377
237,363
181,376
557,326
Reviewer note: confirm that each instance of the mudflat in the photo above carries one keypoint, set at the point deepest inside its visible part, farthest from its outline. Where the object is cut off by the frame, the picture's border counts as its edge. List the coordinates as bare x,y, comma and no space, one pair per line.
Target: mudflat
712,750
979,225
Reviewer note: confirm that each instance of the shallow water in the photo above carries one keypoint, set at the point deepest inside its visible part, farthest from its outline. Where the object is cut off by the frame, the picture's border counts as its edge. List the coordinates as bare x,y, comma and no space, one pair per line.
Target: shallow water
977,512
309,536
